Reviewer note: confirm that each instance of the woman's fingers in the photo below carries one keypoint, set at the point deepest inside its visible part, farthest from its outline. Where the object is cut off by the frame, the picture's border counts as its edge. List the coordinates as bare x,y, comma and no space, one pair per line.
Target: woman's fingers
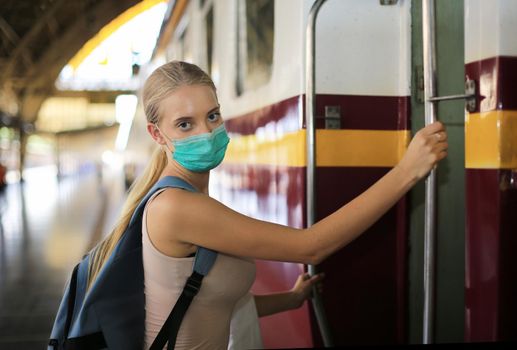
433,128
317,277
426,149
440,146
305,282
441,136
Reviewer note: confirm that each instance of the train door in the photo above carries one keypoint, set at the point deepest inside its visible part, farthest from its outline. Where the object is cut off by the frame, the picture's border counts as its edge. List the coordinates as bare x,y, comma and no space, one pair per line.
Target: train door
361,111
449,270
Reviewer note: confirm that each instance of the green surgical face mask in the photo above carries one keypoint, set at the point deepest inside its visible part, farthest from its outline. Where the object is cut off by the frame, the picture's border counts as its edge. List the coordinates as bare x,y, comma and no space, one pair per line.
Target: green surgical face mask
203,152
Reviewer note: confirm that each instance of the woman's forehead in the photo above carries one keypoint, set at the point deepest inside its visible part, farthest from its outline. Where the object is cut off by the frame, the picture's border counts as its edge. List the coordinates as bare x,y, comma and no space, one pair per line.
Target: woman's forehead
189,100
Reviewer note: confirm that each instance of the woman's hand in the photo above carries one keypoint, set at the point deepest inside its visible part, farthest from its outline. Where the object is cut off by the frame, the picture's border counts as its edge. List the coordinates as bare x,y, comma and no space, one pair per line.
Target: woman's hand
288,300
302,289
426,149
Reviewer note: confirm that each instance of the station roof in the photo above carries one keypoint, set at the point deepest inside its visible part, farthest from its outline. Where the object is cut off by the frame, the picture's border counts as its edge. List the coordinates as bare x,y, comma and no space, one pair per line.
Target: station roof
37,39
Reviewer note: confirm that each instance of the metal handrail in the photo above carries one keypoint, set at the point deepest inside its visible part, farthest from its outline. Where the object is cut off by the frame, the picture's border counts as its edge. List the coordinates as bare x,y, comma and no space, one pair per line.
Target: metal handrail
310,94
428,26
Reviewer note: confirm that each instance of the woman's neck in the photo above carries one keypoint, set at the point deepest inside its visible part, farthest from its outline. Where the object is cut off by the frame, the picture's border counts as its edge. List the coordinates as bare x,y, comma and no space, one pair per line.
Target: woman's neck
198,180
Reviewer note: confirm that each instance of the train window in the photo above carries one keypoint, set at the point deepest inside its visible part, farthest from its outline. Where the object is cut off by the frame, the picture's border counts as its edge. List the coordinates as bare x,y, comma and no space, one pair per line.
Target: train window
255,41
209,25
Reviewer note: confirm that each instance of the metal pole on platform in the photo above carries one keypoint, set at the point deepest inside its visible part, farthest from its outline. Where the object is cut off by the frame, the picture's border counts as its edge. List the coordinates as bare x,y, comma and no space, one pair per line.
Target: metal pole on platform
310,96
428,26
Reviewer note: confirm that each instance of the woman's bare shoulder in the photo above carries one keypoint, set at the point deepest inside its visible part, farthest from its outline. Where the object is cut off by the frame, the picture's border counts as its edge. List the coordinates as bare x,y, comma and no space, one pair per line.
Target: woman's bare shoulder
166,219
174,201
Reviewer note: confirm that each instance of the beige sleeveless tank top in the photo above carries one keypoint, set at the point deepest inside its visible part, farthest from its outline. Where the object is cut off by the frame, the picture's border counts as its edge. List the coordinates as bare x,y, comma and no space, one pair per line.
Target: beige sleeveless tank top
206,324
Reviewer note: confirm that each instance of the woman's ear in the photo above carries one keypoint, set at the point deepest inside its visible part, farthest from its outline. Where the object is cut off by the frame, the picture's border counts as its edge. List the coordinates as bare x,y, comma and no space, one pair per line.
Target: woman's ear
157,136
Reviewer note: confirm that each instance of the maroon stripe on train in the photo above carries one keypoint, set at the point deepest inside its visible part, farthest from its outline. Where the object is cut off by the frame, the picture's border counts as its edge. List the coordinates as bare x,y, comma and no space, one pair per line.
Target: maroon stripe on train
357,112
491,243
496,80
366,112
366,282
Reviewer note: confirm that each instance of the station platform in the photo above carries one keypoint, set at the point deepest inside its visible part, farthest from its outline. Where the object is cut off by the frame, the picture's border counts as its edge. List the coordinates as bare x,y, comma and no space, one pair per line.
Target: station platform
46,226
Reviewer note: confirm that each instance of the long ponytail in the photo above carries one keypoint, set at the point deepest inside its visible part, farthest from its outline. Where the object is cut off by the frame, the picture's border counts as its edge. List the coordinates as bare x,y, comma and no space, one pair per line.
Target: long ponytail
138,190
164,80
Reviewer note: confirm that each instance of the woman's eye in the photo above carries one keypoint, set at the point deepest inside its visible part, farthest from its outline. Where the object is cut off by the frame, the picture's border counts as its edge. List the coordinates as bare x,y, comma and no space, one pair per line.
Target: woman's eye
214,117
184,125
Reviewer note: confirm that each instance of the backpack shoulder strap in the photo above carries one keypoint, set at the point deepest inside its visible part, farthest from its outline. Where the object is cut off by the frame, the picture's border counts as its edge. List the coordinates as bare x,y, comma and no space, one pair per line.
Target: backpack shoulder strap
204,260
172,325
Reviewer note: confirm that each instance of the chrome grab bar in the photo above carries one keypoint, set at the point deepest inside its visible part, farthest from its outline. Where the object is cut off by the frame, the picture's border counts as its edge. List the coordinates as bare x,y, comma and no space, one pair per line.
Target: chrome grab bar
310,94
428,26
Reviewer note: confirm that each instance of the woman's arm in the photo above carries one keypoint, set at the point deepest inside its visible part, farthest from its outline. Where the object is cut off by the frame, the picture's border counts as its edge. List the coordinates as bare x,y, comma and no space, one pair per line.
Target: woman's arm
181,217
270,304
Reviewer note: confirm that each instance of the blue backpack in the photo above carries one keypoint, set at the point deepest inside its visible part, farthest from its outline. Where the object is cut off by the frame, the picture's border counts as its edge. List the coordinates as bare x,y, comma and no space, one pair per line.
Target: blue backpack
112,314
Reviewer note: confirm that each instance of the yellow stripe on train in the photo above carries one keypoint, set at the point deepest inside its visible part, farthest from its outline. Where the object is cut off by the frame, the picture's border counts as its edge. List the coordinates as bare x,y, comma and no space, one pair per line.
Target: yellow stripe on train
334,148
491,140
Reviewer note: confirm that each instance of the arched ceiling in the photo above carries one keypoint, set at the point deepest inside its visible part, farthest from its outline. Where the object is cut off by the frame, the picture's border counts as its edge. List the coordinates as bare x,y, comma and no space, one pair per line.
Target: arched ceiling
37,39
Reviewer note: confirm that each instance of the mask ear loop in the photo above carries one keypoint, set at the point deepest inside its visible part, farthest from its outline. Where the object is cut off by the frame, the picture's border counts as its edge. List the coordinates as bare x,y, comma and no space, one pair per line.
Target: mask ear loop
165,137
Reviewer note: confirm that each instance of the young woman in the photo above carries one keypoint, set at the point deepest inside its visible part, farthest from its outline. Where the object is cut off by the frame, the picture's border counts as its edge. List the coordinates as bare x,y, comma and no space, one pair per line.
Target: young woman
184,120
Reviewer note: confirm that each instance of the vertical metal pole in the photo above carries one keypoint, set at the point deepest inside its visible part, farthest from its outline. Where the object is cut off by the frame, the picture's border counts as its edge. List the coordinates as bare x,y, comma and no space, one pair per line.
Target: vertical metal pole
428,26
310,94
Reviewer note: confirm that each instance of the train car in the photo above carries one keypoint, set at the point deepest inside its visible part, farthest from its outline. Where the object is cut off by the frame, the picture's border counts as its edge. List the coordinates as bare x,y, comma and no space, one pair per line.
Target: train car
370,97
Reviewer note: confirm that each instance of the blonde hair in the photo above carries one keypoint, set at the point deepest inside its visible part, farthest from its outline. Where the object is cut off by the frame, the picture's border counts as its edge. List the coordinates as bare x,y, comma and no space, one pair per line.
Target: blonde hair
164,80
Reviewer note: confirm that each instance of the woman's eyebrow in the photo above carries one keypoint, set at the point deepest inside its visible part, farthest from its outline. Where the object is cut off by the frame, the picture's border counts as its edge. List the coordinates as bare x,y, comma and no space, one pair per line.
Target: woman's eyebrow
183,119
216,108
213,110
